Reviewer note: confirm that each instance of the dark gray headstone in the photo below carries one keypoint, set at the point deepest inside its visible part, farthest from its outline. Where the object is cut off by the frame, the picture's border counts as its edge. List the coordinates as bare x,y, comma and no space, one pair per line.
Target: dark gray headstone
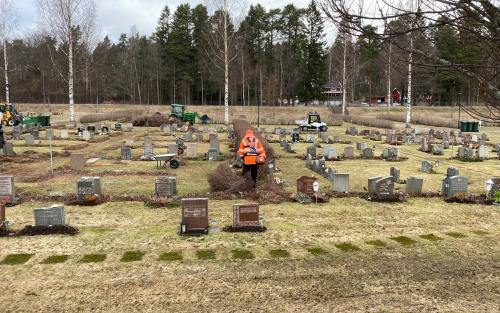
88,186
52,216
395,173
414,185
213,154
368,153
452,171
455,185
426,167
126,153
166,186
311,150
384,187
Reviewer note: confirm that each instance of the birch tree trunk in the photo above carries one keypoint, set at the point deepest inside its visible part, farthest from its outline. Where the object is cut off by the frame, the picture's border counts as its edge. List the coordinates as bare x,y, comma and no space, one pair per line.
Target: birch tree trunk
226,66
344,78
71,77
408,104
6,71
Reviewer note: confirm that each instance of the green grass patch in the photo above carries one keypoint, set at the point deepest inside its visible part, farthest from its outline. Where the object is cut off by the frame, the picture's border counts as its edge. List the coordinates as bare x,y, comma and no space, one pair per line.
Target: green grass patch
55,259
171,256
403,240
205,254
317,251
279,253
93,258
480,232
242,254
455,234
16,259
431,237
132,256
376,243
347,247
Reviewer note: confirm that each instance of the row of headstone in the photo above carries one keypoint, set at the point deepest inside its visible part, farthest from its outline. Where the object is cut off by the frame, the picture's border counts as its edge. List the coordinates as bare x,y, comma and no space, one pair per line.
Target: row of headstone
194,216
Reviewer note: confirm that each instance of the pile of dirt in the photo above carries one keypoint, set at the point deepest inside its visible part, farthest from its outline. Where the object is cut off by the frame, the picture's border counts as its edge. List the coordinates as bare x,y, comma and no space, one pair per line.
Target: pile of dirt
47,230
396,197
469,199
154,120
225,179
247,229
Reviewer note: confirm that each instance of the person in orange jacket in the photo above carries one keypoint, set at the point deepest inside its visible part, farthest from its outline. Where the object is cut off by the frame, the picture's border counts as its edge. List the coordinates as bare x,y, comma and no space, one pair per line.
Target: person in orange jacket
253,154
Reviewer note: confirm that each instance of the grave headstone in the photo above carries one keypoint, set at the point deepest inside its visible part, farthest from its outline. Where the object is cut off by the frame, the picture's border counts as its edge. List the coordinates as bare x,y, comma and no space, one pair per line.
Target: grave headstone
188,136
424,146
437,149
395,173
51,216
384,187
340,182
88,188
246,215
166,186
361,146
311,150
191,150
390,153
414,185
474,138
29,140
455,185
295,137
8,149
148,149
483,152
35,133
348,152
305,185
194,215
452,171
368,153
126,153
353,131
426,167
371,184
324,137
16,132
7,189
199,137
309,138
173,148
118,126
77,161
329,153
213,154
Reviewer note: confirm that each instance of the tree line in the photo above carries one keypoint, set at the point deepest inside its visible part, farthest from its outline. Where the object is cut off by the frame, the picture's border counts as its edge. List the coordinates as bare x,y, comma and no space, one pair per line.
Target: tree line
274,57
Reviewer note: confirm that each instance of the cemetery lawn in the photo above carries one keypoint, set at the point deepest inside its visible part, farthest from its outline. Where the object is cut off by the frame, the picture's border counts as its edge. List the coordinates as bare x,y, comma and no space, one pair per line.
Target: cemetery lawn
348,255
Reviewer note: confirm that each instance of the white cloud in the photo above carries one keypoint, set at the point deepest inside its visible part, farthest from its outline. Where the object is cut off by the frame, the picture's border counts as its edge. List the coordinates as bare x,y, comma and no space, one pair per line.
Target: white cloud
119,16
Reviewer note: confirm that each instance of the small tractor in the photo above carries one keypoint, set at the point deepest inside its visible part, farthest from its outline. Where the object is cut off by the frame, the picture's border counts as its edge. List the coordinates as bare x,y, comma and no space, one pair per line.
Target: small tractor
179,113
10,115
312,123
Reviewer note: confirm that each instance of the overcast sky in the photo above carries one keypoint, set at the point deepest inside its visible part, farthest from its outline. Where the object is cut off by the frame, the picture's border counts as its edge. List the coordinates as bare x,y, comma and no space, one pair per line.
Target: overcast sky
119,16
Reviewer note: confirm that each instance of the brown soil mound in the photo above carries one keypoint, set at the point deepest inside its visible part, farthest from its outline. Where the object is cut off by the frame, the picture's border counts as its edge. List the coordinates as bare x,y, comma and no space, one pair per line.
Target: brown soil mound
47,230
154,120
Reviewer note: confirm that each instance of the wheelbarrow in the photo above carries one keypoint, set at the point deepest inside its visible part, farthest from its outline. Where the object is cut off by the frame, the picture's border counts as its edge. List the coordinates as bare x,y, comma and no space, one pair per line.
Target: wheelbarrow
163,160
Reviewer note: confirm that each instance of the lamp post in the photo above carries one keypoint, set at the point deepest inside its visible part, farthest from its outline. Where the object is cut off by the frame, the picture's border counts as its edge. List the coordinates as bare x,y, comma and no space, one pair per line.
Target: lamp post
316,189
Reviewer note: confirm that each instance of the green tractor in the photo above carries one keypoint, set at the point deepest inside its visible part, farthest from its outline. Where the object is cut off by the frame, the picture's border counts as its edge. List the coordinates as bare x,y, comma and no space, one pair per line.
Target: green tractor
179,113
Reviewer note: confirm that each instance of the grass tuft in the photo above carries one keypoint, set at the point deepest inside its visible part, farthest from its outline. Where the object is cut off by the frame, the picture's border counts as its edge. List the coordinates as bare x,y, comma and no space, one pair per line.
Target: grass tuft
93,258
317,251
205,254
242,254
454,234
347,247
132,256
404,241
431,237
376,243
480,232
171,256
16,259
279,253
55,259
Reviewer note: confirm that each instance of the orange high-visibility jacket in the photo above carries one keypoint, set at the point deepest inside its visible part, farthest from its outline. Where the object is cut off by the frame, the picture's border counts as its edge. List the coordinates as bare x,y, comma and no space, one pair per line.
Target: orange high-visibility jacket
251,149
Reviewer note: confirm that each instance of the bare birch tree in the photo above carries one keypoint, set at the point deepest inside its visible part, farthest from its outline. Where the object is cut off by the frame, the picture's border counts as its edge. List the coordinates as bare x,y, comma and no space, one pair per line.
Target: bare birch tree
60,18
7,20
222,40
